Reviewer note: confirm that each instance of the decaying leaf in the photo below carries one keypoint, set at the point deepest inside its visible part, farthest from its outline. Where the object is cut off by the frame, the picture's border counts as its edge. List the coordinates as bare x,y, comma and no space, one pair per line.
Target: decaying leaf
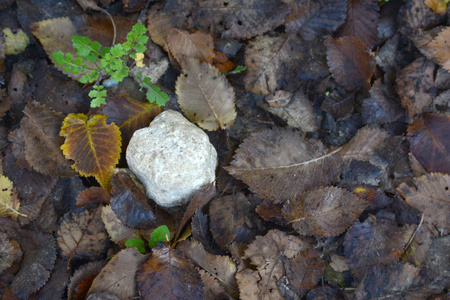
205,96
93,145
15,43
415,86
37,263
200,229
212,290
349,63
439,6
278,62
326,211
10,252
362,21
81,280
279,164
429,138
338,105
118,276
183,44
82,235
417,251
9,203
118,232
440,48
430,195
376,240
220,267
170,274
93,196
159,25
320,18
41,127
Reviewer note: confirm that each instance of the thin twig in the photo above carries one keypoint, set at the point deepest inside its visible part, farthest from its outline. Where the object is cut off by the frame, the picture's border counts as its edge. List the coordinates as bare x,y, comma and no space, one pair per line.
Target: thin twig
414,234
113,24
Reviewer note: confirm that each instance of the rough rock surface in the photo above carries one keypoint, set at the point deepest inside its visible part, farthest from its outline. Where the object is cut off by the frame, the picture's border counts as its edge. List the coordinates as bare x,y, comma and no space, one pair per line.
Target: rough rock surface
172,157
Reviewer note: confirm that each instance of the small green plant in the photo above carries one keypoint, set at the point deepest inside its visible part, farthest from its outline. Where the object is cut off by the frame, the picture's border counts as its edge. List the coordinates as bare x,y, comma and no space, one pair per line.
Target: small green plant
109,61
237,70
160,234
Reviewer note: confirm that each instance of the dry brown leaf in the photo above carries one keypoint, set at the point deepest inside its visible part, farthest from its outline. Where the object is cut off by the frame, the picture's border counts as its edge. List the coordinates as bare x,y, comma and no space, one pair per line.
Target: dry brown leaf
339,105
159,25
440,48
326,211
430,195
363,144
93,196
10,252
349,63
118,276
205,96
81,280
416,253
212,290
118,232
82,235
279,164
198,45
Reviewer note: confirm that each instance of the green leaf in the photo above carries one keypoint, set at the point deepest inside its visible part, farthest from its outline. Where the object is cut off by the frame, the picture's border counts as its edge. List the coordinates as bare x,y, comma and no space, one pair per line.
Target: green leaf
86,48
237,70
98,95
160,234
138,243
154,94
67,62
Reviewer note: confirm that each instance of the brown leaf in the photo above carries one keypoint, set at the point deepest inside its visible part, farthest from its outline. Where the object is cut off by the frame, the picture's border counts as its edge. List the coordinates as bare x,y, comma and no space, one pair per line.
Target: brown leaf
205,96
169,273
363,144
321,17
227,214
93,196
81,280
430,142
430,195
376,240
81,235
118,276
324,293
93,145
10,252
349,63
279,164
159,25
57,283
417,251
37,263
118,232
271,212
326,211
278,62
200,230
305,271
439,6
212,290
440,48
415,16
415,86
339,106
362,21
220,267
198,45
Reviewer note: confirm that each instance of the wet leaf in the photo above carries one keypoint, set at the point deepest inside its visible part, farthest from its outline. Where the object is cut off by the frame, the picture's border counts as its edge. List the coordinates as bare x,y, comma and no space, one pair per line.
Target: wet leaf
169,273
320,18
278,62
93,145
183,44
279,164
93,196
305,271
118,232
82,278
118,276
327,211
82,235
56,285
440,48
430,195
37,263
200,229
339,106
429,140
374,241
362,21
160,234
220,267
9,203
205,96
10,252
349,63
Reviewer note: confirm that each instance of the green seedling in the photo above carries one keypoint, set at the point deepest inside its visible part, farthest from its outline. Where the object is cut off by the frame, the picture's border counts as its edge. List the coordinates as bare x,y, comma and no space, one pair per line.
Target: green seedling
109,62
237,70
160,234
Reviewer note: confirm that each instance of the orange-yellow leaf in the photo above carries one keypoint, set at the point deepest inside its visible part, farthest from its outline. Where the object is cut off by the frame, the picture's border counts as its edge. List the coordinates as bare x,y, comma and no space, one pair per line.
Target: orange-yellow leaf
9,205
439,6
93,145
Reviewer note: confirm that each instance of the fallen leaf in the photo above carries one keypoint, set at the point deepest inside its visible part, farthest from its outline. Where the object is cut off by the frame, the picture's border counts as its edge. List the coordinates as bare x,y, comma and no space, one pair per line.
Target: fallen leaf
169,273
417,251
205,96
430,195
438,256
271,212
56,285
15,43
339,106
415,86
159,25
118,232
326,211
279,164
440,48
183,44
212,290
362,21
118,276
324,293
349,63
93,145
414,16
10,252
41,126
200,230
439,6
377,240
93,196
220,267
430,142
9,203
82,235
321,17
82,278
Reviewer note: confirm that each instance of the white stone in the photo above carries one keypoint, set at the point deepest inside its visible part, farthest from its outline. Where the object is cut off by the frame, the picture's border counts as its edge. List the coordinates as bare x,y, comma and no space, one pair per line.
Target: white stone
173,158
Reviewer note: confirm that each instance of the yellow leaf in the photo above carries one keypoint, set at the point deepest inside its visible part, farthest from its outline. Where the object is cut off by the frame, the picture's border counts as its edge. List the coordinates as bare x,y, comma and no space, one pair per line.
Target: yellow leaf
140,60
15,43
439,6
94,146
9,205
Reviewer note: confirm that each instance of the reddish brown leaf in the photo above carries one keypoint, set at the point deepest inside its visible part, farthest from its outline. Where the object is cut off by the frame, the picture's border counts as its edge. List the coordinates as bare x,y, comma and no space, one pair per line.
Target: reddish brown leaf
362,21
430,195
305,271
183,44
170,274
271,211
82,278
324,211
93,196
280,164
429,137
349,63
